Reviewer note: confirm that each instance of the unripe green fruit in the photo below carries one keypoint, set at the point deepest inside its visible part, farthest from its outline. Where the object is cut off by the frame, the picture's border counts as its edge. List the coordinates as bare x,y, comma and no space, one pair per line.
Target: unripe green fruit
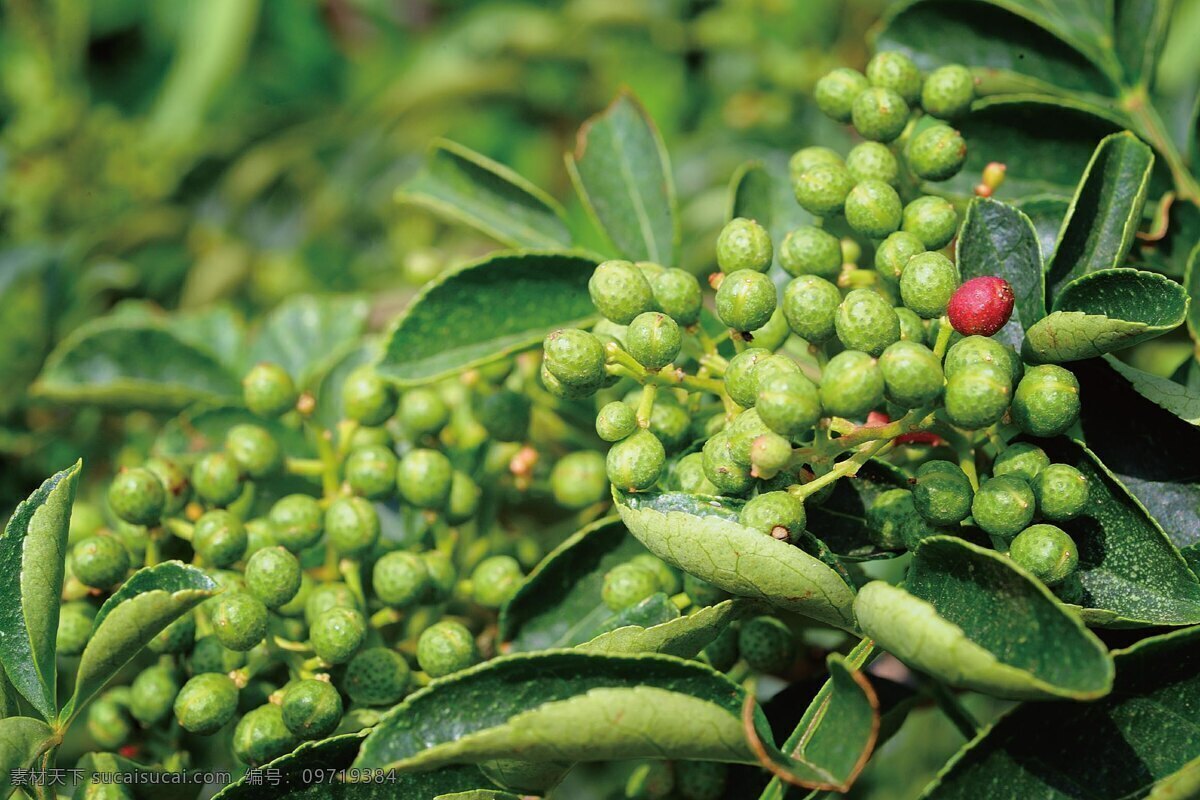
422,412
152,695
261,736
239,620
311,708
836,91
424,477
670,423
948,91
1046,551
912,327
872,161
807,158
137,496
377,676
254,450
932,220
770,453
178,637
575,357
822,190
936,153
175,481
851,385
327,596
740,381
495,580
464,499
579,479
209,655
916,529
1046,402
298,521
808,250
1003,506
443,577
352,526
977,396
268,390
337,634
888,516
677,294
766,644
745,300
74,629
100,561
894,253
220,538
620,291
873,209
1023,460
206,703
615,421
108,720
653,339
635,463
400,579
668,578
701,780
273,576
972,350
701,592
912,376
742,432
789,404
367,398
628,584
1061,491
928,283
811,305
879,114
722,469
777,514
689,476
896,71
371,471
505,415
722,653
446,647
216,479
744,244
942,493
867,322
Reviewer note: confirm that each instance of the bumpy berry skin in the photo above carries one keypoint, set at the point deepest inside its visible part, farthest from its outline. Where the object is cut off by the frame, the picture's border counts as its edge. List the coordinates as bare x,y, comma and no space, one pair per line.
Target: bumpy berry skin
677,294
216,479
810,305
1046,551
424,477
948,91
851,385
776,514
261,736
298,521
836,91
1023,460
895,71
628,584
579,479
887,517
745,300
977,396
327,596
807,158
912,376
446,647
740,381
873,208
722,469
495,580
701,780
400,579
867,322
152,695
209,655
932,220
894,253
615,421
377,676
1061,491
108,719
337,634
311,708
1046,402
273,576
505,415
371,471
206,703
936,153
912,327
220,538
352,526
100,561
254,450
635,463
620,291
872,161
983,350
268,390
239,620
668,578
575,357
744,244
942,493
653,339
809,250
766,644
790,404
928,283
880,114
770,454
822,190
1003,506
722,653
688,476
74,629
981,306
175,481
367,398
137,496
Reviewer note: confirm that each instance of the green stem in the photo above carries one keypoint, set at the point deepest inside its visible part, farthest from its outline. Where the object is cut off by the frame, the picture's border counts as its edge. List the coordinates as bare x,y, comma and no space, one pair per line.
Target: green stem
1137,102
646,407
911,422
329,463
628,365
945,331
308,467
351,571
842,469
179,527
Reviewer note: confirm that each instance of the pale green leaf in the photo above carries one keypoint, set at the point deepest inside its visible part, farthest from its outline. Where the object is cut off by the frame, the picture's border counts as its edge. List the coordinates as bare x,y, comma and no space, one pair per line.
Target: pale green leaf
22,741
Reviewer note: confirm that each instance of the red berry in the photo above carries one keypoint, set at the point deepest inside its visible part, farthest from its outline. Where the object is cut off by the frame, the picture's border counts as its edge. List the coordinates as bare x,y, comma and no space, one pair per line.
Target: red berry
981,306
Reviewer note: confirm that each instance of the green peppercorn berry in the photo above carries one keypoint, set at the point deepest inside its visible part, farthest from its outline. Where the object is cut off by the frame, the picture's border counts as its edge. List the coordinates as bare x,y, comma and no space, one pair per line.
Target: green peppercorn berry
628,584
677,294
463,501
1046,551
209,655
977,396
424,478
311,708
261,736
912,327
762,370
770,454
268,390
337,634
400,579
220,538
137,496
721,467
744,244
206,703
872,161
352,526
701,592
936,153
983,350
178,637
620,291
808,158
722,653
1003,505
74,628
822,190
297,519
422,412
443,577
809,250
928,282
916,529
216,479
371,471
1022,459
811,305
635,463
575,357
579,479
328,596
948,91
866,321
615,421
776,514
701,780
108,719
377,676
367,398
688,476
1061,491
668,578
894,253
745,300
740,381
932,220
851,385
273,576
873,209
174,480
446,647
254,450
879,114
912,376
742,431
496,579
789,404
1046,402
505,415
887,517
653,339
239,620
836,91
100,561
366,436
152,695
766,644
896,71
942,493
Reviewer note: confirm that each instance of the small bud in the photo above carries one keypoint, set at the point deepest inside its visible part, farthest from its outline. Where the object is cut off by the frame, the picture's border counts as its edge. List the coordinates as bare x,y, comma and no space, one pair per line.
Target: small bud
993,175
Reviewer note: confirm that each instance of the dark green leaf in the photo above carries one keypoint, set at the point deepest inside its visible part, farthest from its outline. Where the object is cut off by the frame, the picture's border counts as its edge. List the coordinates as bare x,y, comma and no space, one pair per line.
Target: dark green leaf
621,171
1191,284
682,637
218,330
1181,785
1163,392
762,192
148,786
1106,211
1140,28
22,741
464,186
1171,253
33,551
1047,213
841,521
1106,311
997,239
968,616
305,331
1120,746
484,311
25,318
701,535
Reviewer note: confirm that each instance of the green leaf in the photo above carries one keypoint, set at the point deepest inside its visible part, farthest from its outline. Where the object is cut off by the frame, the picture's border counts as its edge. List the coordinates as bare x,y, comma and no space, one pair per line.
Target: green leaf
303,331
218,330
486,310
25,317
997,239
1047,213
459,184
621,171
1121,746
33,551
1181,785
147,602
1106,311
761,192
1140,29
970,617
841,521
1163,392
682,637
701,535
150,784
1106,211
1191,284
22,741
